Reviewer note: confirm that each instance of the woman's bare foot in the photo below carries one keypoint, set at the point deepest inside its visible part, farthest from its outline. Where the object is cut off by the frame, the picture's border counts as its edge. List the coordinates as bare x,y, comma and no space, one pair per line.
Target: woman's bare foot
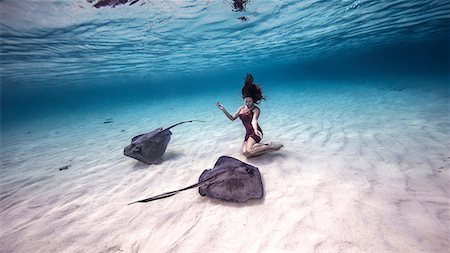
275,145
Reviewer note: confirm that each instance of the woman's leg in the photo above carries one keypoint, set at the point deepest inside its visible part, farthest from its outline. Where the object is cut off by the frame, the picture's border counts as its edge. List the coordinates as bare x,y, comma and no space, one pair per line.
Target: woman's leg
256,149
244,147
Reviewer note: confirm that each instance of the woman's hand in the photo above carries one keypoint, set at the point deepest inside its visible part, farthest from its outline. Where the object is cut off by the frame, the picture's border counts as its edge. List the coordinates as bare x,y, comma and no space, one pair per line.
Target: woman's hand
259,134
220,106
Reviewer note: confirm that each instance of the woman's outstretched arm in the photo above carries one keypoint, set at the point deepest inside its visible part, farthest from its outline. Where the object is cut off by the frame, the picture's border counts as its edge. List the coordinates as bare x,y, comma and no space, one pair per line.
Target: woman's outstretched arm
256,113
231,117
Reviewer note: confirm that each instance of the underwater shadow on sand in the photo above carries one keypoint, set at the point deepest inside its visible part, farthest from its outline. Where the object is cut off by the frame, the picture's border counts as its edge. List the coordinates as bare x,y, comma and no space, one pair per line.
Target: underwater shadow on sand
140,165
171,155
218,202
269,157
167,157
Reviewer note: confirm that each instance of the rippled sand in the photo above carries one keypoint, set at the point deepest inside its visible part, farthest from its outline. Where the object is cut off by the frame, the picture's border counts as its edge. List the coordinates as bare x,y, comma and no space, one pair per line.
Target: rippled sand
365,168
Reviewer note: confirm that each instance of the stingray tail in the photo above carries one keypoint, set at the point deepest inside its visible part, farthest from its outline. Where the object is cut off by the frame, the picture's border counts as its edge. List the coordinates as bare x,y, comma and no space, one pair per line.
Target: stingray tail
188,121
168,194
160,196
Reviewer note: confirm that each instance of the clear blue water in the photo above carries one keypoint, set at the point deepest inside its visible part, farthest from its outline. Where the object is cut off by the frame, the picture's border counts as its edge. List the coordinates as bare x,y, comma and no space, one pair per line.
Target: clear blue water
67,55
358,93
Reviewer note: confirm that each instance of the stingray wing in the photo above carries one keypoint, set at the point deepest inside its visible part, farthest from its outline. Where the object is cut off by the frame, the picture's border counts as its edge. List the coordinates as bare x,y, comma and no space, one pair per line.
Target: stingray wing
227,161
147,135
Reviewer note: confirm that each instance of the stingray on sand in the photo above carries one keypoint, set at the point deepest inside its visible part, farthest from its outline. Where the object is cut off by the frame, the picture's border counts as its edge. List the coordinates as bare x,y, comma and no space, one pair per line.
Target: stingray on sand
149,148
229,180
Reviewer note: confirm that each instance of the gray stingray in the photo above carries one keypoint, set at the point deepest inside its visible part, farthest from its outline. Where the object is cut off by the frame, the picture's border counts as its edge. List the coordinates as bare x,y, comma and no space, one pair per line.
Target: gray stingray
229,180
149,148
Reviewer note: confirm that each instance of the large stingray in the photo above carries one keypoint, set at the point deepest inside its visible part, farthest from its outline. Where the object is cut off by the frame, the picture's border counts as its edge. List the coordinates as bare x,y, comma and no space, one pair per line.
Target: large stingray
229,180
149,148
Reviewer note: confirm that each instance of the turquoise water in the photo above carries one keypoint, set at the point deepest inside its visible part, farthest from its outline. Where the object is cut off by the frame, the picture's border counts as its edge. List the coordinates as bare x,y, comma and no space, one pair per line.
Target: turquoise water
357,92
67,55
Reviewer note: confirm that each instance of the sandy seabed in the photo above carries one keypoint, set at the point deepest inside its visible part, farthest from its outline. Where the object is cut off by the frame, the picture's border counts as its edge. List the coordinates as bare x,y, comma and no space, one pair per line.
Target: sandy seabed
364,168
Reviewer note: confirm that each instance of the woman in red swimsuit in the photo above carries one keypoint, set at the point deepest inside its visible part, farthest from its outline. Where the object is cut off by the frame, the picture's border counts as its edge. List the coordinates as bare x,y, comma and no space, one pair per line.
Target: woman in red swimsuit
252,95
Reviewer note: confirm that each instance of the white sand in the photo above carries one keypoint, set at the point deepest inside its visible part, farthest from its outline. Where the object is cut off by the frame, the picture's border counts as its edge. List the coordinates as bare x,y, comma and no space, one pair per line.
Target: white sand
364,169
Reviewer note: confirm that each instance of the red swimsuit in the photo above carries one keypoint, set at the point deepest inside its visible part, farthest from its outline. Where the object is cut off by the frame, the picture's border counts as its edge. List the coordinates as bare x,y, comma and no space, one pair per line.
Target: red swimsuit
247,121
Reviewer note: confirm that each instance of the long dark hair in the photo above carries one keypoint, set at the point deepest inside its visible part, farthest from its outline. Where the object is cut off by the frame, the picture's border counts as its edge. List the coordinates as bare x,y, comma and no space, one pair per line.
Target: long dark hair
252,90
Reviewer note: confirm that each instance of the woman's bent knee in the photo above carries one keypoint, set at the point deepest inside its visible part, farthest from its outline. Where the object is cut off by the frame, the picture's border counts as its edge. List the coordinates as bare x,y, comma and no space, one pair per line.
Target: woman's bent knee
246,153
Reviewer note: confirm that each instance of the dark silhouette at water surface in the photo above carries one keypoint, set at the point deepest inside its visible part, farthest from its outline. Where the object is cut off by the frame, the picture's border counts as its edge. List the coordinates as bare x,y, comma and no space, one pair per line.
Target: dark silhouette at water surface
239,5
112,3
